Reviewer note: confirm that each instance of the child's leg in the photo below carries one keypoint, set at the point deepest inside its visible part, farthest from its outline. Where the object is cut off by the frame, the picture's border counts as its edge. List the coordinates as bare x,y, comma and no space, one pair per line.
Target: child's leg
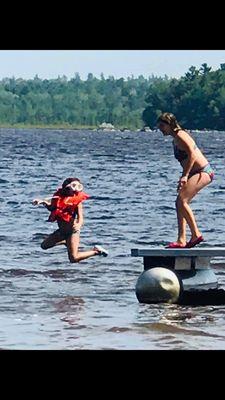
52,240
73,252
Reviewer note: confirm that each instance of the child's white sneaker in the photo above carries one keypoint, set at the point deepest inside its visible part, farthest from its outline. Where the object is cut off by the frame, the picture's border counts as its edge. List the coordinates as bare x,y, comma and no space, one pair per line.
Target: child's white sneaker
101,251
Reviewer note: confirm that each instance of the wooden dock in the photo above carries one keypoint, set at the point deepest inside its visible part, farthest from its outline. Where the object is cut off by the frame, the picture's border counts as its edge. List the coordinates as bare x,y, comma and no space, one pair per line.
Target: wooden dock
193,252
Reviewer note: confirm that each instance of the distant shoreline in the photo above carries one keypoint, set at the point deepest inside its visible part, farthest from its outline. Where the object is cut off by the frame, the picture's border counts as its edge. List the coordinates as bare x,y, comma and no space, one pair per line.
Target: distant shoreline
47,126
88,127
60,126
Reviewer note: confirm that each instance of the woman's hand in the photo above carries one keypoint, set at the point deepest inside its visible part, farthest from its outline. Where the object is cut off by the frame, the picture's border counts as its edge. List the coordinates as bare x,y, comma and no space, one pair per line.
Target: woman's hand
182,182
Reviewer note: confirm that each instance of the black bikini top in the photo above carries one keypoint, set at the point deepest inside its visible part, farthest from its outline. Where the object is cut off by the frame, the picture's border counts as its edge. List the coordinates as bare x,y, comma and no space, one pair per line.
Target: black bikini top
179,154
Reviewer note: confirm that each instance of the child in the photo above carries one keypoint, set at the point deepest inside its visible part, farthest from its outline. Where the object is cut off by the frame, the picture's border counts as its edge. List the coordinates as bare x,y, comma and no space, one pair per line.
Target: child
66,208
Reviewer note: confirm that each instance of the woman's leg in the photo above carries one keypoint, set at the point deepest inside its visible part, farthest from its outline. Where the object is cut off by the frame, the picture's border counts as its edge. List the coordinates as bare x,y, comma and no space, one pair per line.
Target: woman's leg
52,240
186,194
73,252
181,229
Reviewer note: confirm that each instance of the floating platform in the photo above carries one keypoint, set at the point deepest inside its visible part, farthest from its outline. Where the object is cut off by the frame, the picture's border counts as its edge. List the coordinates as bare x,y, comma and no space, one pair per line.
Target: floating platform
181,276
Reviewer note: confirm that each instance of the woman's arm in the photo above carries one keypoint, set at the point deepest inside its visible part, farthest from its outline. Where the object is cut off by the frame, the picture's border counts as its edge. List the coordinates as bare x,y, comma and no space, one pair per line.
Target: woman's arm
185,142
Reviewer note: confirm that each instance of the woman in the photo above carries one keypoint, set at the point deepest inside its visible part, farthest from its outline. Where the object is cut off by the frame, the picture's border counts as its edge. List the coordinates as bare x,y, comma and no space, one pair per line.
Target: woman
67,210
197,173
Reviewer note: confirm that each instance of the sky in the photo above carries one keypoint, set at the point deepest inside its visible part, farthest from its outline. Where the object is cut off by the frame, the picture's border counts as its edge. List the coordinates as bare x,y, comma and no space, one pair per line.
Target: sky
49,64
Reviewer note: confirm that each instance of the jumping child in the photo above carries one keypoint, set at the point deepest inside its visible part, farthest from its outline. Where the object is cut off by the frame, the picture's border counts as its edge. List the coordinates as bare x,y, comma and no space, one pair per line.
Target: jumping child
66,209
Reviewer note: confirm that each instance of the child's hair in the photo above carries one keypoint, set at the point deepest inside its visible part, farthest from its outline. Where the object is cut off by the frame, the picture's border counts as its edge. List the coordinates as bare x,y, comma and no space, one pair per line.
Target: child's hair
68,181
169,119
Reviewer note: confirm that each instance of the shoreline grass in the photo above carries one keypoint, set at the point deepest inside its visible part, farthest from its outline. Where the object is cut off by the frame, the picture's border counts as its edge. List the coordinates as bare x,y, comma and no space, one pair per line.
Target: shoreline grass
63,126
66,126
58,126
47,126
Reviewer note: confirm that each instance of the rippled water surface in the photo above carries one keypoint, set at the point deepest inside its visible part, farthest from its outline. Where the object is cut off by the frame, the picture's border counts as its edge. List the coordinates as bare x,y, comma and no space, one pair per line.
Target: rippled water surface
48,303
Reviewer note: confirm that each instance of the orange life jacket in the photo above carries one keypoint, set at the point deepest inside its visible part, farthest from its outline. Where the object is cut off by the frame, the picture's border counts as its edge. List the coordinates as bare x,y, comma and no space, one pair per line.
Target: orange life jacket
65,206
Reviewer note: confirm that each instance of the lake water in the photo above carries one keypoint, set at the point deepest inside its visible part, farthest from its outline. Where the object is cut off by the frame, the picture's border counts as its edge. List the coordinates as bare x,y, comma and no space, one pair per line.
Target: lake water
48,303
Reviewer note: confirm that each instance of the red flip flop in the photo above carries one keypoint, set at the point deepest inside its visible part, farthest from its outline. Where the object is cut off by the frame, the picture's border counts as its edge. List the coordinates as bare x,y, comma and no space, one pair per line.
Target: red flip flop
175,245
193,243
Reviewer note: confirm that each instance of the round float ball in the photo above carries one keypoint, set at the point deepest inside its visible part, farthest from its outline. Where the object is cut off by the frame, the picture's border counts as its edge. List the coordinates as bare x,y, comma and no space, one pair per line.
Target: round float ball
158,285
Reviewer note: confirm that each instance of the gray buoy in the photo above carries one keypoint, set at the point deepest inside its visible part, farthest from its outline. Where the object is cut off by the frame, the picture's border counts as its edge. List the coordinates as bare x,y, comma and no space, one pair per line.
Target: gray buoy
158,285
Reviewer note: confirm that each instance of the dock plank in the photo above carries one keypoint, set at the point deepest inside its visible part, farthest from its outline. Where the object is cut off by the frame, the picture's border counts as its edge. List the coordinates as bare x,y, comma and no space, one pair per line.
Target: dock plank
193,252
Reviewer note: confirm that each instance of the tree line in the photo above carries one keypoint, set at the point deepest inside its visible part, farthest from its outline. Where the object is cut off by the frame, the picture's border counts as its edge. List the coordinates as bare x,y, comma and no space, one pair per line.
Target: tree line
76,102
197,99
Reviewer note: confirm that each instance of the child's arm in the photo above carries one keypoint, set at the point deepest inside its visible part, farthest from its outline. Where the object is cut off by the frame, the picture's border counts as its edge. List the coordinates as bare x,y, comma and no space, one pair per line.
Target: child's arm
45,202
38,202
80,217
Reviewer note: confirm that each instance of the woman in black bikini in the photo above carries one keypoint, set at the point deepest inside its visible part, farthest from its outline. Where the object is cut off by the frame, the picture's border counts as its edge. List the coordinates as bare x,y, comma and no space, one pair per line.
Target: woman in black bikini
197,173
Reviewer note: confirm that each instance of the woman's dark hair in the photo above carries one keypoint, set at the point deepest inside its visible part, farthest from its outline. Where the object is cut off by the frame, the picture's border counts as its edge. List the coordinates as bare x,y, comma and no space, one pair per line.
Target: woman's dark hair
170,119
